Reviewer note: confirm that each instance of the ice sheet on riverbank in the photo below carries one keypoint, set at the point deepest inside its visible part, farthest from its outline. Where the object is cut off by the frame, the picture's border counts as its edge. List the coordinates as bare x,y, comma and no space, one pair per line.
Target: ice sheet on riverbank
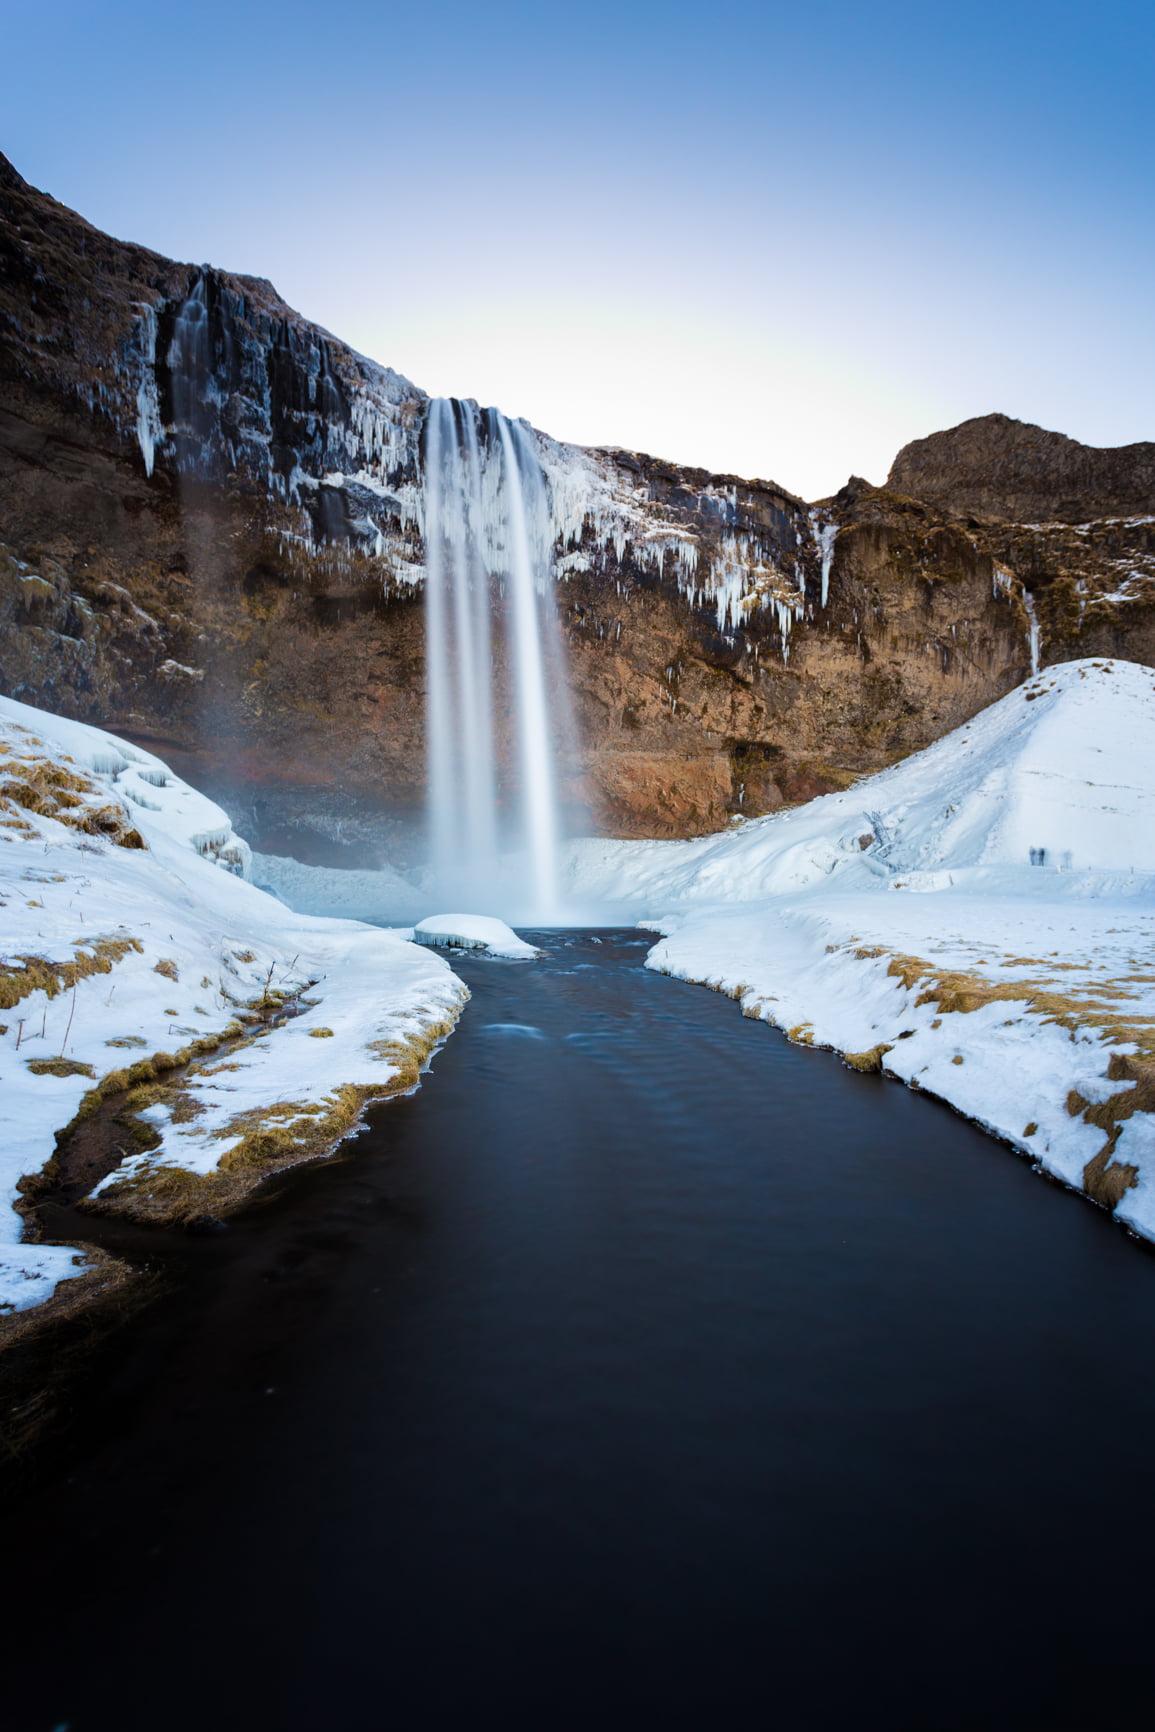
479,932
124,946
977,921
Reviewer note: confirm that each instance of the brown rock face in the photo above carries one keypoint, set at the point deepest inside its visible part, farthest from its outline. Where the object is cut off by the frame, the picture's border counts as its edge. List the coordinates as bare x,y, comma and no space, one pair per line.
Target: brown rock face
688,723
211,511
1006,471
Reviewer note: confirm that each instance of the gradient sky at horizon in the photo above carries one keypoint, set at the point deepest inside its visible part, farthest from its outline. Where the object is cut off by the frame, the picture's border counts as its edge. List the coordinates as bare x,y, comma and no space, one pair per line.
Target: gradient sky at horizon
775,240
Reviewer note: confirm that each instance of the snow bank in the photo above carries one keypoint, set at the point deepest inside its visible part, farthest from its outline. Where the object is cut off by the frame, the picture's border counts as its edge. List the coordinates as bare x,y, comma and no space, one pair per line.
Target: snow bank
976,921
143,783
127,956
473,932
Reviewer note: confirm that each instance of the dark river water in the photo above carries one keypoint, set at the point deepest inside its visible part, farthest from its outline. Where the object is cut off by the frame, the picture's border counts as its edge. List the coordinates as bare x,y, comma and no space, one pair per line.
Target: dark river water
640,1370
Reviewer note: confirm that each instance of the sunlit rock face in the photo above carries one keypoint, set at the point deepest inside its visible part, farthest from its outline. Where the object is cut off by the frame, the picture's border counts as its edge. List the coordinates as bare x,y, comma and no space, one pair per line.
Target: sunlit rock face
214,518
1006,471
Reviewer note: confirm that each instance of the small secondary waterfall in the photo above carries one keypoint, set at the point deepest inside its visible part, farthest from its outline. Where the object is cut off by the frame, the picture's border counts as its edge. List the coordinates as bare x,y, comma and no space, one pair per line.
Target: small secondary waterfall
190,365
488,526
1033,630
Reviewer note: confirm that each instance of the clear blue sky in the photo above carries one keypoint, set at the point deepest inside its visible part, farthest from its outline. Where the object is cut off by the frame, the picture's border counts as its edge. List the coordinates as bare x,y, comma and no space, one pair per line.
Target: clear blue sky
776,239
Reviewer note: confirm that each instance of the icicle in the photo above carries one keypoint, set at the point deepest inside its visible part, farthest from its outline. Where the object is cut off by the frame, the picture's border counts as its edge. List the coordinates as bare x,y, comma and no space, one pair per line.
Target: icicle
825,534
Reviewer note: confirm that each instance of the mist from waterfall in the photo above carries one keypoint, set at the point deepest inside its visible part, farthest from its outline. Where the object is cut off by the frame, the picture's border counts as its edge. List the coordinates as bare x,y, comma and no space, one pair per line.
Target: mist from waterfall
489,605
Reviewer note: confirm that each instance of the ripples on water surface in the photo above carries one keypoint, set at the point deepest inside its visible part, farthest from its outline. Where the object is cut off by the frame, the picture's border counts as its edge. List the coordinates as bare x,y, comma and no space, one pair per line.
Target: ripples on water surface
641,1370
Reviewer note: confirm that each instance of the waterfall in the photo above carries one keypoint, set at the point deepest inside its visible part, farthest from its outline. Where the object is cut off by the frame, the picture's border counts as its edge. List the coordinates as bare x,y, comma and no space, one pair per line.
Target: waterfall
190,366
488,606
1032,630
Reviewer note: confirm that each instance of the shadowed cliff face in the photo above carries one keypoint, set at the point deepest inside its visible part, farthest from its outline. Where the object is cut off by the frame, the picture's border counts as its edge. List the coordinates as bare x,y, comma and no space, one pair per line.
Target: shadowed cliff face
213,520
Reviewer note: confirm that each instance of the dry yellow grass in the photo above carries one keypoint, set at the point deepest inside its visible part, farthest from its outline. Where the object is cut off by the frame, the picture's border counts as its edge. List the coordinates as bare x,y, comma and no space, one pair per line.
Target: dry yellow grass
59,1067
48,790
1101,1005
37,974
266,1140
870,1060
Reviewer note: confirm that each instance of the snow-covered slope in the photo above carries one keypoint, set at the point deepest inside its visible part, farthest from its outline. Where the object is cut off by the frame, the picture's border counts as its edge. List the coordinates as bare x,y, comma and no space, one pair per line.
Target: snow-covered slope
1058,774
131,947
978,921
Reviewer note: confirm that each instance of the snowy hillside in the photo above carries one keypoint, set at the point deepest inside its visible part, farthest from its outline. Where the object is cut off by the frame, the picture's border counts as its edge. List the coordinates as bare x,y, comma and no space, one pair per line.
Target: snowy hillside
977,921
141,975
1058,774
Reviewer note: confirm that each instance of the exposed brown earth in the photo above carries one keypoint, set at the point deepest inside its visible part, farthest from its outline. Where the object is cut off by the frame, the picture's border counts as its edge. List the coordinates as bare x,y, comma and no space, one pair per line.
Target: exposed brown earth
252,604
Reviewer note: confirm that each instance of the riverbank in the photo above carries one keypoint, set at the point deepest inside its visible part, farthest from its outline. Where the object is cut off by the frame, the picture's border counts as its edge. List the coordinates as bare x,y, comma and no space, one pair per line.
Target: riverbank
641,1358
1035,1021
149,992
977,921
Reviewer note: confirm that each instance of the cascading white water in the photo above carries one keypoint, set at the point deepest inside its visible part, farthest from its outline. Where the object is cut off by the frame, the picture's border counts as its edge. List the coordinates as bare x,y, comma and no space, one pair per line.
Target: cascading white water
488,527
1032,630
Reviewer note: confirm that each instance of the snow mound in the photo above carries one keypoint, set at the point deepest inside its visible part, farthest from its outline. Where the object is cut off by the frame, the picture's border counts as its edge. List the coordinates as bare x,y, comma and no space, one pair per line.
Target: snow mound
473,932
156,801
1058,776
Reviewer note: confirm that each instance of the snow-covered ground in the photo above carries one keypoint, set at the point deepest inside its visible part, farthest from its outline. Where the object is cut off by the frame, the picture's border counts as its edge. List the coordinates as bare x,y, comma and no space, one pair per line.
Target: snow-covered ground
978,921
130,944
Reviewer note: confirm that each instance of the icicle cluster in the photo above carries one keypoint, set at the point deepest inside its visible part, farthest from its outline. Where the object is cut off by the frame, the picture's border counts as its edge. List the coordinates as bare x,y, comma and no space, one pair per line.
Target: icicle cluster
220,384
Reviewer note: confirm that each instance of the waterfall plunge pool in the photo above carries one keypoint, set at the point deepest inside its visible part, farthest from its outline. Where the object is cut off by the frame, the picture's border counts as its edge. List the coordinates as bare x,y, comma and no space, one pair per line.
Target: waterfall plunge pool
640,1370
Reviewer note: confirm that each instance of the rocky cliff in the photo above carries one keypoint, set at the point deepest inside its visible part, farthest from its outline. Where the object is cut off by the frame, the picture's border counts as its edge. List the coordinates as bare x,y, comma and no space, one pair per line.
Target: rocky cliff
212,513
1006,471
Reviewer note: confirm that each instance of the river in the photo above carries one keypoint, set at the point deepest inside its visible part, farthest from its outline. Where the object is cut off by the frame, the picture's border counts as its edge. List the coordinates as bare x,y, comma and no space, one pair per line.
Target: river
639,1370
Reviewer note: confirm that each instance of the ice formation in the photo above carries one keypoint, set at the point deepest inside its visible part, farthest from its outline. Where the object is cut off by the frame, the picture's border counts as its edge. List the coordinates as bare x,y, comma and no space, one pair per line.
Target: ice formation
824,533
473,932
1033,626
339,439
